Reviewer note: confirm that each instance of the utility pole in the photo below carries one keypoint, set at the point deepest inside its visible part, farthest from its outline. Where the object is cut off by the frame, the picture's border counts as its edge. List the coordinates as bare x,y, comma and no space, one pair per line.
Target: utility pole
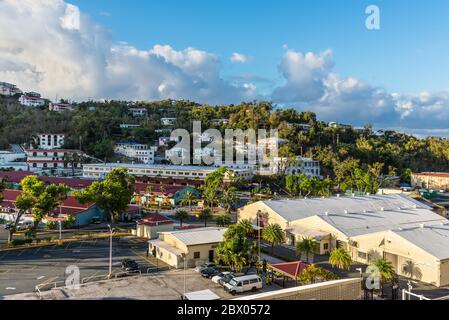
110,253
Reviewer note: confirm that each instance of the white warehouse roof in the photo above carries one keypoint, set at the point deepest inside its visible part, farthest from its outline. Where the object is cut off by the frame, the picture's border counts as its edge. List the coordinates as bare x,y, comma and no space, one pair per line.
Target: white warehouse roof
199,236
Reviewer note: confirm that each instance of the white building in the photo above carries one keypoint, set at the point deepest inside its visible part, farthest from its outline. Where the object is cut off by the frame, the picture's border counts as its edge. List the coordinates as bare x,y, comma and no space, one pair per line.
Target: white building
168,121
337,125
9,89
49,141
307,166
163,171
199,153
177,152
31,101
8,156
39,159
164,141
138,151
129,126
60,107
138,112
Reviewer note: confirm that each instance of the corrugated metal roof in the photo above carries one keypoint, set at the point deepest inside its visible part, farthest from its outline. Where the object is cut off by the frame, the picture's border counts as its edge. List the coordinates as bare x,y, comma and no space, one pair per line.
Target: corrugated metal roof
355,216
432,238
199,236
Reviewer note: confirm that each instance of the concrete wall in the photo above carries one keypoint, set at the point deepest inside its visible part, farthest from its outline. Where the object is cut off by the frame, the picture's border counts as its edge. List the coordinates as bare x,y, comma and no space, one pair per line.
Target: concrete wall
430,182
151,232
346,289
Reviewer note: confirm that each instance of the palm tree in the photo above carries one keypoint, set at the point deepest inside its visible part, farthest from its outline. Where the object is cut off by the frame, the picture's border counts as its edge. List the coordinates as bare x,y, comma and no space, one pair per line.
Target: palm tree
246,225
211,197
273,234
311,274
385,271
149,188
181,215
307,247
188,199
224,220
340,258
229,198
205,215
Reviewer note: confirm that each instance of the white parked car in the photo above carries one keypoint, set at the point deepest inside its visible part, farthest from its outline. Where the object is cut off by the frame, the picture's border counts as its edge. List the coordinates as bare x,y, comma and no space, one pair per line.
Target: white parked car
216,279
243,284
24,225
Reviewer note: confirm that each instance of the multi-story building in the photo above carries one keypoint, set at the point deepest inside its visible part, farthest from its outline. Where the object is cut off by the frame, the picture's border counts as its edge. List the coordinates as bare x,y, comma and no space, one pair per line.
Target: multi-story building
54,159
133,150
164,141
31,101
307,166
431,180
177,152
49,141
60,107
199,153
162,171
138,112
9,89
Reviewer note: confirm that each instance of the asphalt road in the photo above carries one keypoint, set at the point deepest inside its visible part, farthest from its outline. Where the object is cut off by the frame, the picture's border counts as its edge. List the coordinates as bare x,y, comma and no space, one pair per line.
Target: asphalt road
22,270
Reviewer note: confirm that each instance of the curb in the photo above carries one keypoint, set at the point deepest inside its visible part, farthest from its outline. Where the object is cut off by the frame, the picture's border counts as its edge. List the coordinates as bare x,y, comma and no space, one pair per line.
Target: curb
64,241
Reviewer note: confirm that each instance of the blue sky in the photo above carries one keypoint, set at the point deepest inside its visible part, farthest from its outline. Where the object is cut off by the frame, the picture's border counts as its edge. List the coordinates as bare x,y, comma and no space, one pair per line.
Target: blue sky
311,55
409,54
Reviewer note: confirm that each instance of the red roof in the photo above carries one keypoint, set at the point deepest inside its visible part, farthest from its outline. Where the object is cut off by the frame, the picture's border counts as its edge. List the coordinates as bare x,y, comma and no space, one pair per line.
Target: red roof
291,269
169,189
70,206
75,183
155,219
433,174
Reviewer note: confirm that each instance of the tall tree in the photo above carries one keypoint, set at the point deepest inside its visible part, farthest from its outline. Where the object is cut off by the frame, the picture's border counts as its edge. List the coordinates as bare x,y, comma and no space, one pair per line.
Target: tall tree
273,234
307,247
224,220
181,215
229,198
113,194
205,215
188,199
340,258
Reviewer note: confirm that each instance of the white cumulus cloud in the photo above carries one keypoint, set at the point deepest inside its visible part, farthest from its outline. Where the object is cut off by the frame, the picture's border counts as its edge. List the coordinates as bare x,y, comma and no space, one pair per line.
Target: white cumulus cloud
240,58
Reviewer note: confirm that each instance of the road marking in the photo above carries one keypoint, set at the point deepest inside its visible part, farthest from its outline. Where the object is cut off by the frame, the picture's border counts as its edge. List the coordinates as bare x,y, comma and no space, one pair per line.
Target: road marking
46,256
40,278
10,288
20,253
38,249
1,258
76,251
68,244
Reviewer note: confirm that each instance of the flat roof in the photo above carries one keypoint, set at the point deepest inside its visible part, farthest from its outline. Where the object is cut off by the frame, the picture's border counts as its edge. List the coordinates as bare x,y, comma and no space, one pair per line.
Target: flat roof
199,235
158,166
355,216
202,295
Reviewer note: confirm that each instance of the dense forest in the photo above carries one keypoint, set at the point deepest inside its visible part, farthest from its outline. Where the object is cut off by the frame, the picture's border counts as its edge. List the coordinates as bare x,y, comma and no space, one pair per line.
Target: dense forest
94,127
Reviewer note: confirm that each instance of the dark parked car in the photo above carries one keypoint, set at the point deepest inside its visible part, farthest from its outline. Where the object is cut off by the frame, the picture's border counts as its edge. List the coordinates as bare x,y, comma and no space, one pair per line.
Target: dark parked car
7,226
130,265
210,272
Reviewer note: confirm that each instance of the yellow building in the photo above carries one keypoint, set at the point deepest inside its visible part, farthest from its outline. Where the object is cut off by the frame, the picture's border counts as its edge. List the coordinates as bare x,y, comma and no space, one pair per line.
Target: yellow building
431,180
198,246
395,227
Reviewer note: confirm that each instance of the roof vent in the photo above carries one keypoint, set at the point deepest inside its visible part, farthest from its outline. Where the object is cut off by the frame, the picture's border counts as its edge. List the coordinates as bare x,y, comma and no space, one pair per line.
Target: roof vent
326,213
382,209
346,212
338,195
422,225
368,194
353,194
400,229
399,208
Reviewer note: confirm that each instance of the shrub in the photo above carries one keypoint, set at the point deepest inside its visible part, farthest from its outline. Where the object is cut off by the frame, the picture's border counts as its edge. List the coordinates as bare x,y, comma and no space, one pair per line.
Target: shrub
50,225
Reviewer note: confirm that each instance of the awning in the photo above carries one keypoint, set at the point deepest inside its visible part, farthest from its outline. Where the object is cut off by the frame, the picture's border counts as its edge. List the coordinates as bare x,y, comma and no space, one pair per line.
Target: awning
290,269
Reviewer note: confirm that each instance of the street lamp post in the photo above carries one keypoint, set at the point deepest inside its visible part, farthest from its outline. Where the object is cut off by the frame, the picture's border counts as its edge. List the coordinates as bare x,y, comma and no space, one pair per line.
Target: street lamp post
60,230
110,252
184,256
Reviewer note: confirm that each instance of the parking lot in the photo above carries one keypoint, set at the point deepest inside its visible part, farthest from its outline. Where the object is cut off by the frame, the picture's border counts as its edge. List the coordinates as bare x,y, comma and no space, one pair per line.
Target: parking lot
21,270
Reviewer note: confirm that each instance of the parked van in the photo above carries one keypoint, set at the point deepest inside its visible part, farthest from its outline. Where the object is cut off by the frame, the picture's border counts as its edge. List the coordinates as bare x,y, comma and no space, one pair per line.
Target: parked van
24,225
243,284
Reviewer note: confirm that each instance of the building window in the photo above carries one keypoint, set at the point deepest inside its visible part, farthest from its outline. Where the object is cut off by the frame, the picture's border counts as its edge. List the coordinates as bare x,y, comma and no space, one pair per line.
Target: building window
326,246
196,255
362,255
